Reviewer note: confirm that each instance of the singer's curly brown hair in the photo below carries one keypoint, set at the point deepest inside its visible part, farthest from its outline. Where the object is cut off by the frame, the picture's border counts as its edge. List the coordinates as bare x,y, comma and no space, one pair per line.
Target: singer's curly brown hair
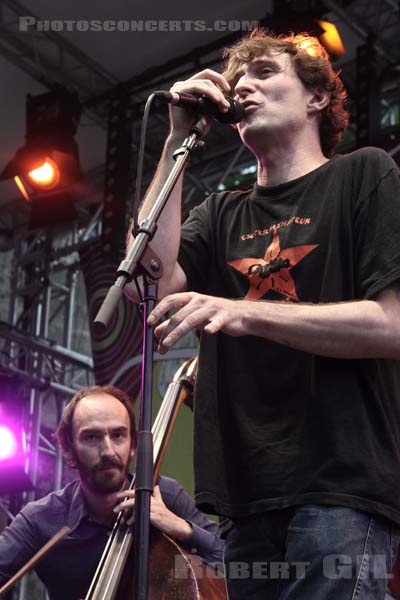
63,433
312,65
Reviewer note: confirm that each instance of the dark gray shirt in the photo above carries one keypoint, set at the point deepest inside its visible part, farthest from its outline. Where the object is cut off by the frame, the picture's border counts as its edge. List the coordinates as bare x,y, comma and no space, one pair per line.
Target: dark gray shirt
68,569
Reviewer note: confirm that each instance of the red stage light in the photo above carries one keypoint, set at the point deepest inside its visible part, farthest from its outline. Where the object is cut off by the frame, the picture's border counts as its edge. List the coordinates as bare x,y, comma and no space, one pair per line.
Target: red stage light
45,177
331,39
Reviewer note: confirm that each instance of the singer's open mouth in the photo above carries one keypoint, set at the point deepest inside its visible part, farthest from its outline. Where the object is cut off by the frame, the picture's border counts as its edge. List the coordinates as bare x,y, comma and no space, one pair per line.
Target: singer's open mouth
250,107
249,104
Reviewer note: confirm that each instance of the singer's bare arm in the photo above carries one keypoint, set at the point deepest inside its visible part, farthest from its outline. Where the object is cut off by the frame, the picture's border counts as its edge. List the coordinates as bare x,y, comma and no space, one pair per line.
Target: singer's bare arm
359,329
166,240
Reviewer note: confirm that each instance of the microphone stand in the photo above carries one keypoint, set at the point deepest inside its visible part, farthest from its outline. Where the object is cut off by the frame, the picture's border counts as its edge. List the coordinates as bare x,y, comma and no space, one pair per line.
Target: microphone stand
141,260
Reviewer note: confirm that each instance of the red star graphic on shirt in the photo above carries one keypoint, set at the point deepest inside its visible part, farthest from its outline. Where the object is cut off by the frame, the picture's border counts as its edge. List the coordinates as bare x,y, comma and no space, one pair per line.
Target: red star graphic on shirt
280,281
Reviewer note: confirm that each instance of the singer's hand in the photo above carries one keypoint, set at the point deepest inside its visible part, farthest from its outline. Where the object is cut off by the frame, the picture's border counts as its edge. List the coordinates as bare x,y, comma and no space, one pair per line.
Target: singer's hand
209,313
205,83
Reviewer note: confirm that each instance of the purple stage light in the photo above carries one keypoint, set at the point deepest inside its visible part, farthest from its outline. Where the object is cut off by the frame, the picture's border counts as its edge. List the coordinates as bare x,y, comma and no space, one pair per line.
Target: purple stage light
13,477
12,442
13,455
8,443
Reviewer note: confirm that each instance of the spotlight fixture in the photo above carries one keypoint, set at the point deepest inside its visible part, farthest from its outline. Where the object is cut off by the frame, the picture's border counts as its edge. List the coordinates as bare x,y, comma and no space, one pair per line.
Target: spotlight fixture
48,163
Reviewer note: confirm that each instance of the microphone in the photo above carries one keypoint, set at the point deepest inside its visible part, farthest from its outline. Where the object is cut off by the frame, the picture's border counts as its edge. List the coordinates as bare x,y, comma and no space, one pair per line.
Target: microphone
204,106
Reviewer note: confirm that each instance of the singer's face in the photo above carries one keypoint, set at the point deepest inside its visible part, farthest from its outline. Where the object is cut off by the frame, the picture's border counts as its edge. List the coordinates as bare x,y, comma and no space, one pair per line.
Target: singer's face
102,442
274,97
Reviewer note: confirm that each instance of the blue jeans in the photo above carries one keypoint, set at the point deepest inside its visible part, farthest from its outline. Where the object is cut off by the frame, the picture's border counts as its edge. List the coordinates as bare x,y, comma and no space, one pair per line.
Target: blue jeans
310,553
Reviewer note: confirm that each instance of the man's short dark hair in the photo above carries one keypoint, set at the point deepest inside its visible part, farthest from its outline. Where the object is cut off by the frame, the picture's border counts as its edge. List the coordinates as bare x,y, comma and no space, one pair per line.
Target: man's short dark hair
63,433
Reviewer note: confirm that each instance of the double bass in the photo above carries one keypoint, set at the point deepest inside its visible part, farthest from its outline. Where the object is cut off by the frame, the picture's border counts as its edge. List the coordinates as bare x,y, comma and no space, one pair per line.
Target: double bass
173,573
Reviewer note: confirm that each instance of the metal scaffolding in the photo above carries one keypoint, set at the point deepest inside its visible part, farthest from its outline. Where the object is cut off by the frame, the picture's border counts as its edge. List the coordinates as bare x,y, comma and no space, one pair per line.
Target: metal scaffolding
42,344
46,338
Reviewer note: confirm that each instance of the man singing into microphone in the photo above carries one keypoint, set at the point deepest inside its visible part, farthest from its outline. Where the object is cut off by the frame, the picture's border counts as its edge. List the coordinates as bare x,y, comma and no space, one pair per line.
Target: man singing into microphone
294,286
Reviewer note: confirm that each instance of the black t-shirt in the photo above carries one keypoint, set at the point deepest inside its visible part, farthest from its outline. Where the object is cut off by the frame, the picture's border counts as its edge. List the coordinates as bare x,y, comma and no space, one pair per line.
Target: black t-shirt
276,427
